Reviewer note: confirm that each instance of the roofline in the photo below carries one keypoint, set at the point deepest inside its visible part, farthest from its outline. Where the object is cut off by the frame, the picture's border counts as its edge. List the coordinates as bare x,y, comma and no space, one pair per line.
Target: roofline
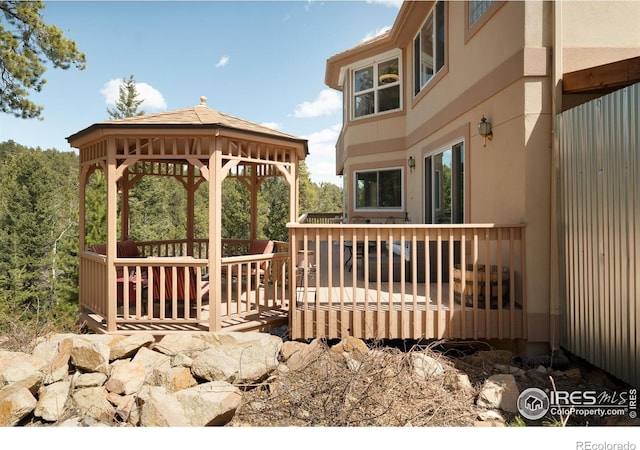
409,18
190,126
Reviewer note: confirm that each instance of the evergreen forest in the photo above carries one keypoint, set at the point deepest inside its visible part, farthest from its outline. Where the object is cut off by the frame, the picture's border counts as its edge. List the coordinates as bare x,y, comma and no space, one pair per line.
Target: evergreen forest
39,225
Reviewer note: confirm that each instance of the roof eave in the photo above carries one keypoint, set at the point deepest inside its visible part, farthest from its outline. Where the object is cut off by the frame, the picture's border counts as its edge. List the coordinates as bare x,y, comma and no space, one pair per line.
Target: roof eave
100,128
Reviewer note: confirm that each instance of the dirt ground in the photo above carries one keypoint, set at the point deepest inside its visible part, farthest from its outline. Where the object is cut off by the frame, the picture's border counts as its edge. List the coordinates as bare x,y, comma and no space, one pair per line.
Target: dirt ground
380,389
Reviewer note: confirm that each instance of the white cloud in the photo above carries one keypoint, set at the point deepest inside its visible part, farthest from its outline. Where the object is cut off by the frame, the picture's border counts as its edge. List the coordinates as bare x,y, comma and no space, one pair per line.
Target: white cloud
390,3
322,155
327,103
376,33
223,61
272,125
152,99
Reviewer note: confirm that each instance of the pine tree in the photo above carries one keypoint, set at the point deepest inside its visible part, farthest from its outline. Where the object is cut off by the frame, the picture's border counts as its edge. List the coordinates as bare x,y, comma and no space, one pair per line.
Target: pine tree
26,44
128,101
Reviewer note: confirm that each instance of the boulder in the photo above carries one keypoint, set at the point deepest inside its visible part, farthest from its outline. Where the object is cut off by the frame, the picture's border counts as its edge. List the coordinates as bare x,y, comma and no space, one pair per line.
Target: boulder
501,392
425,366
238,358
130,345
93,402
19,366
160,409
212,403
126,378
90,355
52,399
16,403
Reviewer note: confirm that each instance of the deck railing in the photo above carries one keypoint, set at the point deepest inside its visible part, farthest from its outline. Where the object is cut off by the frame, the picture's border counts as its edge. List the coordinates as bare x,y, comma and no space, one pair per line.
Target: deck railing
407,281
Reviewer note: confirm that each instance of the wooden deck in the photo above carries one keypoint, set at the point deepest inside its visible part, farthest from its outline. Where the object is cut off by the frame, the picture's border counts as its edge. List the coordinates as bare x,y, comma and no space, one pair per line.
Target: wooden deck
402,281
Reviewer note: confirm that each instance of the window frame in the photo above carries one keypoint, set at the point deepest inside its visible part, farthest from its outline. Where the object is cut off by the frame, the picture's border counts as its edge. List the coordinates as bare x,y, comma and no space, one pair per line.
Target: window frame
377,207
458,193
374,63
418,87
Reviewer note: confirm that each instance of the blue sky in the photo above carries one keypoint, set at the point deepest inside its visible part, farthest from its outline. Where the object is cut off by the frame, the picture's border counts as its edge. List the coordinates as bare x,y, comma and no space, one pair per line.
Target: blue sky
263,61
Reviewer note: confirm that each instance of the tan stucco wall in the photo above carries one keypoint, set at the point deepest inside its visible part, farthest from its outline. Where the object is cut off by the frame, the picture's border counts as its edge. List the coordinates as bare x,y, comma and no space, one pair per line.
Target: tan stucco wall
596,33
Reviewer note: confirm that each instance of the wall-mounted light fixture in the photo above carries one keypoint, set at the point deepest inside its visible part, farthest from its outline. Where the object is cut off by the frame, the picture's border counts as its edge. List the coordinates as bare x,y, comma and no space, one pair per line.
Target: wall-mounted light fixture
484,129
411,162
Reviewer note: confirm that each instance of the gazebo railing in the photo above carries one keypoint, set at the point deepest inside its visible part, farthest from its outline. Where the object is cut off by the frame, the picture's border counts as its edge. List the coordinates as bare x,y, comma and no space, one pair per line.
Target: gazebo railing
174,289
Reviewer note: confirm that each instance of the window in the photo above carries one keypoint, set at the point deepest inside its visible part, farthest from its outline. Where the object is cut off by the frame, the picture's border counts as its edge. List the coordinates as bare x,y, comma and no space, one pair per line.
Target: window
428,48
476,9
444,187
376,88
379,189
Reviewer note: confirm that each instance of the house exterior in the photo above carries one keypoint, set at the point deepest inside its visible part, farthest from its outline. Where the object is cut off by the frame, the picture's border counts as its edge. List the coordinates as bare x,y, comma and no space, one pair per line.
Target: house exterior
416,98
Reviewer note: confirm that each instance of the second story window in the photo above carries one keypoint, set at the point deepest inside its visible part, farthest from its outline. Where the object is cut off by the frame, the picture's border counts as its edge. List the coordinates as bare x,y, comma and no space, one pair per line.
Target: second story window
476,9
376,88
428,48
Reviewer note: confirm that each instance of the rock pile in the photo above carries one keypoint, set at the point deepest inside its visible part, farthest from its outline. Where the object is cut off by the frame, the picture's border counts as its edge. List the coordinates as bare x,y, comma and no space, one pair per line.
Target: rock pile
202,379
180,380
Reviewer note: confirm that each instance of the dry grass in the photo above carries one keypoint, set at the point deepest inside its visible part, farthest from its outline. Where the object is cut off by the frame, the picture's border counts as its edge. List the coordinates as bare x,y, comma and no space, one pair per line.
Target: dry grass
373,389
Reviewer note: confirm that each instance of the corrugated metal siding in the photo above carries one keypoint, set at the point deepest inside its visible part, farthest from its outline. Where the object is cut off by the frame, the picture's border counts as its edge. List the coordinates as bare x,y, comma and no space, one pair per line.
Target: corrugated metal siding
599,201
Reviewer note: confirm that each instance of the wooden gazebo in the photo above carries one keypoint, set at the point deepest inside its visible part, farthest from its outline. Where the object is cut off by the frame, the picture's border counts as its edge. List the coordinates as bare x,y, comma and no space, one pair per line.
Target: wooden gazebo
195,283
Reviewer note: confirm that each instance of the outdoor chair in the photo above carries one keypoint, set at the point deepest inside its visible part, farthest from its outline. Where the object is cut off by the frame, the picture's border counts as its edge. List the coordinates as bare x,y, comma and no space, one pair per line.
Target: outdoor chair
256,247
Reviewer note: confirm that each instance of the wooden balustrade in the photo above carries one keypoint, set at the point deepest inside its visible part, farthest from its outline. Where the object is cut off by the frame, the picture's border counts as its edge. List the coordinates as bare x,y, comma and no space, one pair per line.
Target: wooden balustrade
407,281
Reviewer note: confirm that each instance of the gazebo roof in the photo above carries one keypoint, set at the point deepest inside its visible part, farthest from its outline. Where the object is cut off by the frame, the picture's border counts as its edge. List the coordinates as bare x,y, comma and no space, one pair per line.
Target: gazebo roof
200,116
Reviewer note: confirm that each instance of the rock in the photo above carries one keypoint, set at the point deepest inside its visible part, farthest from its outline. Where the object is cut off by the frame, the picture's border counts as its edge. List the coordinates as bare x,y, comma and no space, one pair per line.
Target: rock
186,343
90,355
130,345
181,360
499,391
290,348
425,366
52,400
351,345
93,402
303,355
493,423
152,360
173,379
16,403
127,410
57,354
19,366
212,403
126,378
459,382
490,415
82,380
573,374
245,359
160,409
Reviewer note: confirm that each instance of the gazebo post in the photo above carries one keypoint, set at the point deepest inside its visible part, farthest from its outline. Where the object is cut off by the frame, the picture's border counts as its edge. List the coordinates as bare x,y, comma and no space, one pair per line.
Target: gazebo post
215,235
112,214
124,207
255,186
191,195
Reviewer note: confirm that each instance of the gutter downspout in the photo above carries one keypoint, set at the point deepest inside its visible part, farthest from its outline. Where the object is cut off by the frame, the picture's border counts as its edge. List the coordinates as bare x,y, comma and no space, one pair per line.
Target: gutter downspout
555,311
